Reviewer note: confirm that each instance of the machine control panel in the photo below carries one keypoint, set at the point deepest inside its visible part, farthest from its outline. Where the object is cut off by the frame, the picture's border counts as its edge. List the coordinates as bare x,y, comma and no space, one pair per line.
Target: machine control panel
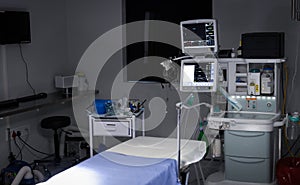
221,125
226,125
256,103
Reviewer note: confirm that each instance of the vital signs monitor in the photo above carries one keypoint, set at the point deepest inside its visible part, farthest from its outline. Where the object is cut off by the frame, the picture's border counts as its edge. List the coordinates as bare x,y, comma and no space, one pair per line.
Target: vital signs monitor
199,36
199,75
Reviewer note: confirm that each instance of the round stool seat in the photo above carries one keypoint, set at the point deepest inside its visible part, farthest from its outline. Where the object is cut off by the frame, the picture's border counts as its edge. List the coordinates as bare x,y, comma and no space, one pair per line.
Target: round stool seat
55,122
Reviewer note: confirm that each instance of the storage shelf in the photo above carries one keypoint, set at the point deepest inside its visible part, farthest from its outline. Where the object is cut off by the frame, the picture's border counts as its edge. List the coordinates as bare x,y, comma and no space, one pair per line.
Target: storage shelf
241,84
241,74
240,93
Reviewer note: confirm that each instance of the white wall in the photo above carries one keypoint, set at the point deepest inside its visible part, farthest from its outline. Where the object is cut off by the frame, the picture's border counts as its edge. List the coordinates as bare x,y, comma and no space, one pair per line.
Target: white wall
88,21
46,54
62,31
46,57
236,17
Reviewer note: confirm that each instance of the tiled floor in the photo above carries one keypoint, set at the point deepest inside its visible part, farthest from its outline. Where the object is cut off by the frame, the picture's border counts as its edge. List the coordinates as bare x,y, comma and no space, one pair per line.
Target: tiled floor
208,167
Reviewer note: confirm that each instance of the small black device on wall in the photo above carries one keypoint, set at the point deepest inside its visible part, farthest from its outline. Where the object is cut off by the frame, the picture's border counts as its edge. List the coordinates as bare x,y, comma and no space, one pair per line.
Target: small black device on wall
263,45
15,27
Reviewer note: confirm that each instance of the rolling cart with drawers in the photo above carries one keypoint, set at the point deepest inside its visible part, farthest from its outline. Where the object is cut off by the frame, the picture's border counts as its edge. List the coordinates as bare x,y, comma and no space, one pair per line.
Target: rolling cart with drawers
119,126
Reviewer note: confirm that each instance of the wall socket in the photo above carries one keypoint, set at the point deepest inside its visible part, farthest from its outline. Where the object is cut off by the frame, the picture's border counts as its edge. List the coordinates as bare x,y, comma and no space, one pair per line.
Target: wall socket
25,130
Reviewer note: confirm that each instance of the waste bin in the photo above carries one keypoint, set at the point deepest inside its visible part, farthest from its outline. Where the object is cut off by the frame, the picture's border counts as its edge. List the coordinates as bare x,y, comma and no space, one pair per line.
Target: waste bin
288,171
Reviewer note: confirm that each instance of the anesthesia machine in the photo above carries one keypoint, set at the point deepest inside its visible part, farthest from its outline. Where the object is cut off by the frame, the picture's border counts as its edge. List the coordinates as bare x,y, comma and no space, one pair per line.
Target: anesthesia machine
245,102
251,135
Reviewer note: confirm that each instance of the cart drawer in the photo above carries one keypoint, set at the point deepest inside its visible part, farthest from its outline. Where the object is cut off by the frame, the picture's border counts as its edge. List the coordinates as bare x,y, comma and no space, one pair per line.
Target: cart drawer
248,144
256,170
112,128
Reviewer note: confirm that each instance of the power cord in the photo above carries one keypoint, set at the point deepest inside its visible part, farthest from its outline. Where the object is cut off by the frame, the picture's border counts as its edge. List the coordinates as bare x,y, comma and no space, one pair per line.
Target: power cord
26,68
32,147
291,147
14,135
35,155
23,146
296,153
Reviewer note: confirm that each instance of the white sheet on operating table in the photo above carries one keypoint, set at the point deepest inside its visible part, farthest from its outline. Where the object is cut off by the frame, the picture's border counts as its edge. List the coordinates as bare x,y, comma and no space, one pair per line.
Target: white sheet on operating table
156,147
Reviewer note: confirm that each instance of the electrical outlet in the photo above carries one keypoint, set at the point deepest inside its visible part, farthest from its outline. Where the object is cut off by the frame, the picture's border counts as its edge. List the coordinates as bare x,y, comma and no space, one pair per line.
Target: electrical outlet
25,130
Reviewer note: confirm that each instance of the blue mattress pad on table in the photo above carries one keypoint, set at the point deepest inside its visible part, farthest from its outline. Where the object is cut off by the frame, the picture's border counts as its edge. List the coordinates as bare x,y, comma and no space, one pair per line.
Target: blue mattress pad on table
109,168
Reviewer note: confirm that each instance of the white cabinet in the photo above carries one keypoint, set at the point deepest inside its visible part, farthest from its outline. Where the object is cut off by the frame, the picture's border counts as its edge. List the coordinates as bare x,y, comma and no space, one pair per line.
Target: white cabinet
242,80
237,73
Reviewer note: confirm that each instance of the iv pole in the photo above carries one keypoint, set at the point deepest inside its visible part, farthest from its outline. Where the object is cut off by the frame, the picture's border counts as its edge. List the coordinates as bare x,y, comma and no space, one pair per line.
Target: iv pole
179,107
178,139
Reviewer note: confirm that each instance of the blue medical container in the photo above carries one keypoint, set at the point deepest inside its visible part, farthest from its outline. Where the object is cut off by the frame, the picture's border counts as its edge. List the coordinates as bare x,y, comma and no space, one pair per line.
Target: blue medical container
100,105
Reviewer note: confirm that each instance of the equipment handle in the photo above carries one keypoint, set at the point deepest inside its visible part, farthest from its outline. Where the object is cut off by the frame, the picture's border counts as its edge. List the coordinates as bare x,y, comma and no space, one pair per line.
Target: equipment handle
280,123
110,126
246,160
247,134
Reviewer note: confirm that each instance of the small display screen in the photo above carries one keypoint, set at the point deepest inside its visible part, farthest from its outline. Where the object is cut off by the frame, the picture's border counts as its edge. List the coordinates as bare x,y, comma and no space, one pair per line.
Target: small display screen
201,34
198,76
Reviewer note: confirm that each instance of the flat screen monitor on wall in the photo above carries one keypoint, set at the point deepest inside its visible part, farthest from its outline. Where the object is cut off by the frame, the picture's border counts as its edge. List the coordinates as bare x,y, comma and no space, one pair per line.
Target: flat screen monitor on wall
15,27
166,10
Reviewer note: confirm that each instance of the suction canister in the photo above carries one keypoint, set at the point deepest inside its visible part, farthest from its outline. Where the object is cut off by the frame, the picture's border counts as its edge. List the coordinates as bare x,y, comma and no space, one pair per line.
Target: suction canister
293,127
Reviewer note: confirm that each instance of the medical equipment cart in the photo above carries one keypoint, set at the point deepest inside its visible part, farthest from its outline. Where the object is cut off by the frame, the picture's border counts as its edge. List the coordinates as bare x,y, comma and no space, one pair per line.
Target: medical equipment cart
116,125
251,136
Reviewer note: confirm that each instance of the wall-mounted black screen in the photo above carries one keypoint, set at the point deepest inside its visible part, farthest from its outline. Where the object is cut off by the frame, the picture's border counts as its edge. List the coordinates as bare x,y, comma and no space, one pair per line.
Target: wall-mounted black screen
15,27
166,10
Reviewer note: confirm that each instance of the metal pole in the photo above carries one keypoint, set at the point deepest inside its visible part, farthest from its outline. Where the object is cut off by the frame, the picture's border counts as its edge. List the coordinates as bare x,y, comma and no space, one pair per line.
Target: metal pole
133,126
91,133
143,123
178,140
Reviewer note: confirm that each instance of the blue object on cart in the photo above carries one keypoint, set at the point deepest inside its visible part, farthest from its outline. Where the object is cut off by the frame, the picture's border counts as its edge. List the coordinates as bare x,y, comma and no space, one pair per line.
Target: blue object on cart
100,105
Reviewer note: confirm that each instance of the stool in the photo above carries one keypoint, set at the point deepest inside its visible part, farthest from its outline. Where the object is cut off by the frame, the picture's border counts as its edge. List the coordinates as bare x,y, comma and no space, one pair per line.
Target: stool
54,123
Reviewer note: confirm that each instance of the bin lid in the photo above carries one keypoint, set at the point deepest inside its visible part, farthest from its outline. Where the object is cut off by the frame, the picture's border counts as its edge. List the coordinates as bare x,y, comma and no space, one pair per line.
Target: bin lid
246,121
251,116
